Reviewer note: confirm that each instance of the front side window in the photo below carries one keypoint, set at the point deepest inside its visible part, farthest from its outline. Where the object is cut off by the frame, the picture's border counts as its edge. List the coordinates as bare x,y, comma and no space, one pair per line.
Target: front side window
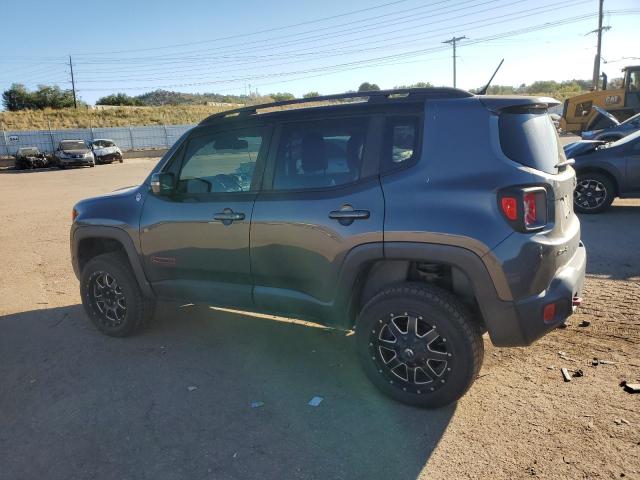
221,162
320,154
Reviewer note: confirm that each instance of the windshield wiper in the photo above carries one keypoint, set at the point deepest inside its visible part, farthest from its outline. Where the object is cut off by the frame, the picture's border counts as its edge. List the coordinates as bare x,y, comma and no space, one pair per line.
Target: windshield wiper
569,161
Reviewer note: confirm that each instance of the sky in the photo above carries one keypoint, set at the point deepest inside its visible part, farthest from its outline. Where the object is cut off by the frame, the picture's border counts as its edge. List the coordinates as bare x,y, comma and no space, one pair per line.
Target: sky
287,45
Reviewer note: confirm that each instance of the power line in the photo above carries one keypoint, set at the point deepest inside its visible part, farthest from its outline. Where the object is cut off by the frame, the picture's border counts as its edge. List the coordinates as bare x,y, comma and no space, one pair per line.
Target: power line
368,62
266,42
308,22
385,41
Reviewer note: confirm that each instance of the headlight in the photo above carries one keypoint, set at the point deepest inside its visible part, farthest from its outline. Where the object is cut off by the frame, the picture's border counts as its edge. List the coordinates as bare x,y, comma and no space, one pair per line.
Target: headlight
87,155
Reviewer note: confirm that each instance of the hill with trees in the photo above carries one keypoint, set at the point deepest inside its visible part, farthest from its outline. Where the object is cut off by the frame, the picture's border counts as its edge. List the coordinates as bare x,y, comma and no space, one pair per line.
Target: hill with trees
51,105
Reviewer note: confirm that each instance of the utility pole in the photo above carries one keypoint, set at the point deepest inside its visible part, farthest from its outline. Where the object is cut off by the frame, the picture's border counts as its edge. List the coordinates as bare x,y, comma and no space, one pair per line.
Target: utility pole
73,84
453,42
596,62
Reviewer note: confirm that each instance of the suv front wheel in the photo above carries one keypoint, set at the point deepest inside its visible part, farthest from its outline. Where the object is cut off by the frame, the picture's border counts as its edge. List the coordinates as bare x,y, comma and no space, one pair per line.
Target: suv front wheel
594,193
418,344
111,296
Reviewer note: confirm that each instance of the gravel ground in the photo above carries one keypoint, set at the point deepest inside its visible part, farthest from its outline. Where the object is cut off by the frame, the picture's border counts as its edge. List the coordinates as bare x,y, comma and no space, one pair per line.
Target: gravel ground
75,404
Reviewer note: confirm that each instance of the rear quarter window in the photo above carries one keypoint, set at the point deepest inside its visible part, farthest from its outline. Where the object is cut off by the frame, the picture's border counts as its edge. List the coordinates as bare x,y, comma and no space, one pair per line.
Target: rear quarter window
402,142
528,136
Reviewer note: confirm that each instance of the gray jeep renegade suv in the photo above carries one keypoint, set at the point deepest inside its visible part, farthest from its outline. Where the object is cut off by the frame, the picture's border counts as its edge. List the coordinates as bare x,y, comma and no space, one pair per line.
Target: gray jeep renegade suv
421,217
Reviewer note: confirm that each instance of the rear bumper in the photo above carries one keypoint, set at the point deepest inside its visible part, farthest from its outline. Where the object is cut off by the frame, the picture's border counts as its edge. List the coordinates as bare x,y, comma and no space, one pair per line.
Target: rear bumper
567,283
521,322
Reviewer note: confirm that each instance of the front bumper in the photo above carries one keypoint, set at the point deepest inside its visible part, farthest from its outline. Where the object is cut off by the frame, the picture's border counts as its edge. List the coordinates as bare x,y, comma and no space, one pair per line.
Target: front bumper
109,157
520,322
73,162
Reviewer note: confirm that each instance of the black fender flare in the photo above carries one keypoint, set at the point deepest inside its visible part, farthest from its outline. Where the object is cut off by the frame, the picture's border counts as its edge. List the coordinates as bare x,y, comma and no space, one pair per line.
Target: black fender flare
486,279
80,233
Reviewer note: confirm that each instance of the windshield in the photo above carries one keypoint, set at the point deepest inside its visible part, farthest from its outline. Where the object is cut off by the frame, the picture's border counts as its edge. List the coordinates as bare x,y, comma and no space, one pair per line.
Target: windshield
103,143
635,119
28,151
629,138
73,145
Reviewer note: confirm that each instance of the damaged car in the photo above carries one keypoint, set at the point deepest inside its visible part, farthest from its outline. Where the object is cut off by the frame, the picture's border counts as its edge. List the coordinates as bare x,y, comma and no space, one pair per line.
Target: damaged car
30,158
615,129
605,171
74,153
106,151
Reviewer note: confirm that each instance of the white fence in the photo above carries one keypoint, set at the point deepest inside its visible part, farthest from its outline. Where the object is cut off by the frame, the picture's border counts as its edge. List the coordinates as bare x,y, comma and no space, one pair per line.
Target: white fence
127,138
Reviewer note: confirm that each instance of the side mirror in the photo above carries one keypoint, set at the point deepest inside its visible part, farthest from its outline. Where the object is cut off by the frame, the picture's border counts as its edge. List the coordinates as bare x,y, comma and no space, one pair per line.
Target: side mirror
163,183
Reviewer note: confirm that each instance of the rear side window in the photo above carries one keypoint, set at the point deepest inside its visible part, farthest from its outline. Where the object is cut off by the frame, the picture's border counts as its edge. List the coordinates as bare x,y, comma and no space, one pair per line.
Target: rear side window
320,154
528,136
401,142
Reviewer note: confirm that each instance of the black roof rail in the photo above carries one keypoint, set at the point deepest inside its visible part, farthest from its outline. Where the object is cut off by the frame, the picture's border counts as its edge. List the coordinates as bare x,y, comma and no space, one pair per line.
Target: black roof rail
369,97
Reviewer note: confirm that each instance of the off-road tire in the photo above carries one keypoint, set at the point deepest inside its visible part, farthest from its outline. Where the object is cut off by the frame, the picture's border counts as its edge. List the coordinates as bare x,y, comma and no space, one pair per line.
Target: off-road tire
459,337
603,180
139,309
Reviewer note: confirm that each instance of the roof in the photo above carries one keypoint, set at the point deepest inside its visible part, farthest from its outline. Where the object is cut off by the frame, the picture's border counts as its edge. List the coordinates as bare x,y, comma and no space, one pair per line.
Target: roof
401,95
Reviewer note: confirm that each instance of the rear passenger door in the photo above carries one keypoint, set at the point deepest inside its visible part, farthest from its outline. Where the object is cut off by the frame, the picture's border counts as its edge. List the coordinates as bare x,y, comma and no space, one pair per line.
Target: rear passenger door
320,199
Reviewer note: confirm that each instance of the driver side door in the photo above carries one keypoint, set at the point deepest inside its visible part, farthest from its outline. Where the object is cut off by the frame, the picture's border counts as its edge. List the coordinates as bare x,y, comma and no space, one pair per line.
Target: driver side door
195,241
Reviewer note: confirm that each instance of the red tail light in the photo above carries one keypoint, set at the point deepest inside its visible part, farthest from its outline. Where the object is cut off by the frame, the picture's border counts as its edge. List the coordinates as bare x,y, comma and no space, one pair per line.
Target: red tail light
509,207
549,312
524,208
74,215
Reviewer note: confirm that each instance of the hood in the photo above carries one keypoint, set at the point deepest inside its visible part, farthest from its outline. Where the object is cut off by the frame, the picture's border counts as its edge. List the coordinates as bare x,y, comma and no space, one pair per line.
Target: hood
602,112
580,148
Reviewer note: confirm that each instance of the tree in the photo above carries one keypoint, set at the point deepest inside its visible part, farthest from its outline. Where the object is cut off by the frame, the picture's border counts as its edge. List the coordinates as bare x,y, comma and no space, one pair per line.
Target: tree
368,87
19,98
119,99
310,95
417,85
281,96
52,97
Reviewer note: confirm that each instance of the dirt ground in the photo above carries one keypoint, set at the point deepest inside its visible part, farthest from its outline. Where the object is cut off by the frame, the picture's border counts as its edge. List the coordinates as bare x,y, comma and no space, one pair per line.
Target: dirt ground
75,404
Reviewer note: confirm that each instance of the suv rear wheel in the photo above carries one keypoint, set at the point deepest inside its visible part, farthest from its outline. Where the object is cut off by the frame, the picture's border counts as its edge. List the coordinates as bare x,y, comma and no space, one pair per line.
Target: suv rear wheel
111,296
418,344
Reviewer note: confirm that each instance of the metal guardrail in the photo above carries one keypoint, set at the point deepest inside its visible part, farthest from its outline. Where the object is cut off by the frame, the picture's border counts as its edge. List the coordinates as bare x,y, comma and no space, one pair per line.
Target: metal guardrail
127,138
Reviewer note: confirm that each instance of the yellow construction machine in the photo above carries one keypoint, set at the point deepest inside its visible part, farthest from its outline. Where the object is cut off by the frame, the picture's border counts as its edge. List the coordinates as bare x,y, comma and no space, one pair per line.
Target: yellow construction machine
578,113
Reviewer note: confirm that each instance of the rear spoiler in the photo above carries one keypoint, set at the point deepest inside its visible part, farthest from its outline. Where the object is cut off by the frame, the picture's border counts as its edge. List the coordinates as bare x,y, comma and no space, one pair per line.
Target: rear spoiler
496,103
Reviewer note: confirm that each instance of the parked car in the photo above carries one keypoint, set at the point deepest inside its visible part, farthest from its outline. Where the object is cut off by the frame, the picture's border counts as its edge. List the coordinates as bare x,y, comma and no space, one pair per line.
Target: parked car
106,151
29,158
605,170
371,215
74,153
616,130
